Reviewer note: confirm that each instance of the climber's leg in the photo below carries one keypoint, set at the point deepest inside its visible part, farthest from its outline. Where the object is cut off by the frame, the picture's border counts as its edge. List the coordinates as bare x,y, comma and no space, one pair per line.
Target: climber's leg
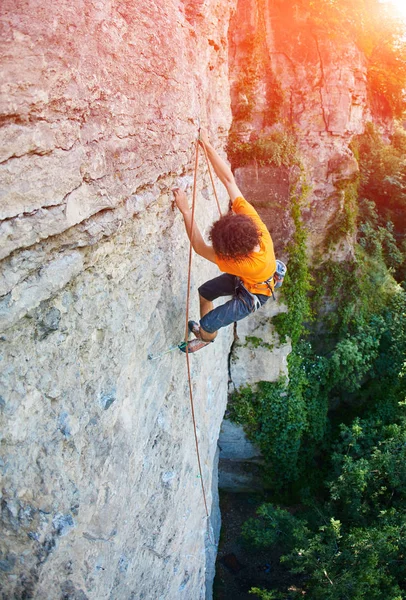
224,285
212,319
206,306
241,304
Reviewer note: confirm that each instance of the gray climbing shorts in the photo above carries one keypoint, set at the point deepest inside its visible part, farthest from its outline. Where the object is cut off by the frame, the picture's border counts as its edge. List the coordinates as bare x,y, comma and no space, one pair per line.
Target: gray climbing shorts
242,303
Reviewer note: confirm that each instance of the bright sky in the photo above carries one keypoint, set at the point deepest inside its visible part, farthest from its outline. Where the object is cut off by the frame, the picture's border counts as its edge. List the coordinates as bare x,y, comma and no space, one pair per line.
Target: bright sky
400,6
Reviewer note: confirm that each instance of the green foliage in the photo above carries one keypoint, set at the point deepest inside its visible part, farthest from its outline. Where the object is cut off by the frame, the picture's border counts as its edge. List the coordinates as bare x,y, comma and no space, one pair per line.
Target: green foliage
265,595
298,280
353,357
358,564
286,419
380,243
345,223
277,148
315,391
365,325
369,470
245,92
362,342
274,525
256,342
383,177
274,99
382,219
353,291
254,68
399,140
368,490
387,74
391,359
274,418
354,547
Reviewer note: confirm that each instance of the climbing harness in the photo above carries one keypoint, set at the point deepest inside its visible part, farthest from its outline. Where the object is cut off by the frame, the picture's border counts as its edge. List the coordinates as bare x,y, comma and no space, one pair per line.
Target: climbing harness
277,278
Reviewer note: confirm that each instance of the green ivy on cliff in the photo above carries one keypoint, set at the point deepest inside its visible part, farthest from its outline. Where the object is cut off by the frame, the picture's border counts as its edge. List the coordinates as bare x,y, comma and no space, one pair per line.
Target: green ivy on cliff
345,223
255,67
297,286
383,193
278,149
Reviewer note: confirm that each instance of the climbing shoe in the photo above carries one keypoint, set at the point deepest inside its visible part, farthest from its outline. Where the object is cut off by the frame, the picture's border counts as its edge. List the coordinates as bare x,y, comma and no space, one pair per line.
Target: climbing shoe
194,328
194,345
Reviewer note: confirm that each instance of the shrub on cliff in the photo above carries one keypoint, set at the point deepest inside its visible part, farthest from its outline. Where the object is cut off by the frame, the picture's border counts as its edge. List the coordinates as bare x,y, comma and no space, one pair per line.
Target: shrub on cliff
278,149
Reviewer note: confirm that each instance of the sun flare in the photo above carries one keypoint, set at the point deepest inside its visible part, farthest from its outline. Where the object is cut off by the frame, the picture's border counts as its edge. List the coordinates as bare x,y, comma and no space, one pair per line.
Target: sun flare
400,7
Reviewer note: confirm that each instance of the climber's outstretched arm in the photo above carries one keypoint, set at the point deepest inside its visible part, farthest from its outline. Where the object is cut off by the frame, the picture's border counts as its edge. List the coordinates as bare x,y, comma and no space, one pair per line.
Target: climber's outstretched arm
198,243
220,167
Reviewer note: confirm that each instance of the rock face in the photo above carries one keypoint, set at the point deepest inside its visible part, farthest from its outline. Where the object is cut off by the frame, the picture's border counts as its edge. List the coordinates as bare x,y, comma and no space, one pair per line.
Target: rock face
101,495
240,460
257,353
288,74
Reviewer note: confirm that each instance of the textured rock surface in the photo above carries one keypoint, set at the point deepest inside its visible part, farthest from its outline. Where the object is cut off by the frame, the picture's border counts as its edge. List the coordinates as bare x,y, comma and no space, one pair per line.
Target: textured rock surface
101,496
257,354
316,85
100,478
239,459
98,101
234,444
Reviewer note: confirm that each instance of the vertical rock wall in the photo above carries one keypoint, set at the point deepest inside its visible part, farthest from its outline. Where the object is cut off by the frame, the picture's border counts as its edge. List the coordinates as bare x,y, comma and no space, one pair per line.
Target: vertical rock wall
306,81
101,496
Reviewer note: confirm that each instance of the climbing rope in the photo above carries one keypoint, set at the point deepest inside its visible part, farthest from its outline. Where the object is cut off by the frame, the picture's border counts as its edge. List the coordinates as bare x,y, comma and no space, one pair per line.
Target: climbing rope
188,303
211,178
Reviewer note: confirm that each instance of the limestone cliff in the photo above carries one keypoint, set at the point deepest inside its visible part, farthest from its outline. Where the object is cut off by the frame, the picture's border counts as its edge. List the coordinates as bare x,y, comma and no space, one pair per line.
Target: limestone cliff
101,496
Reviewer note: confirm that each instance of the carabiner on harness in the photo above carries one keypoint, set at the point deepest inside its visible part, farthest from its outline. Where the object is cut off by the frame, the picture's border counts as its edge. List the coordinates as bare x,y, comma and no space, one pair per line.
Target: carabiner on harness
277,277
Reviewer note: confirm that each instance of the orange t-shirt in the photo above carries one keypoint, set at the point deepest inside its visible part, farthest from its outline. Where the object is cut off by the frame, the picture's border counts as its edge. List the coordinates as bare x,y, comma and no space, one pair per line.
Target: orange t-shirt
258,266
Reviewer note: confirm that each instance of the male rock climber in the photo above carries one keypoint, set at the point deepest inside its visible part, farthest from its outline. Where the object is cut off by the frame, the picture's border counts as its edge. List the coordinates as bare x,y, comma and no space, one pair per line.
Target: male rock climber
241,247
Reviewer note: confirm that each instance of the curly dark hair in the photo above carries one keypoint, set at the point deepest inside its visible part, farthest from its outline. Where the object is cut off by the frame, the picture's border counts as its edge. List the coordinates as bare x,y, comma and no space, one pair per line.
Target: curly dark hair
234,236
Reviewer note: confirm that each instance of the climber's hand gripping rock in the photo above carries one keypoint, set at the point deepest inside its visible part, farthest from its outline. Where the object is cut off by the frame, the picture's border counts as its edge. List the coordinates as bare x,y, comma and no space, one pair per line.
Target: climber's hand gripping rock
181,200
